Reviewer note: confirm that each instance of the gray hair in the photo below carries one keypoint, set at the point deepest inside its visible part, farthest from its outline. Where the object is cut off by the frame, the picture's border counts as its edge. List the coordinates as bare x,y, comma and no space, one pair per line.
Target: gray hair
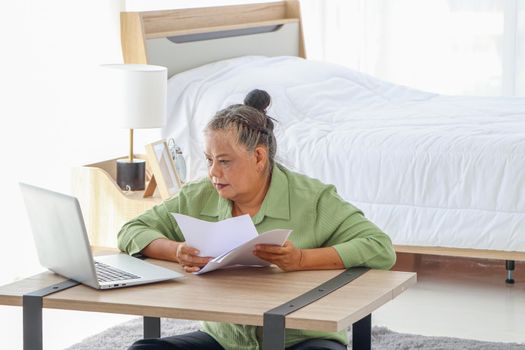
254,128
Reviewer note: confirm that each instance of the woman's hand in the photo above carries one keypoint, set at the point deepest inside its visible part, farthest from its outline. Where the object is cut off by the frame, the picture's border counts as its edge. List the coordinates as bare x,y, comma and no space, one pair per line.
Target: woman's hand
189,258
287,257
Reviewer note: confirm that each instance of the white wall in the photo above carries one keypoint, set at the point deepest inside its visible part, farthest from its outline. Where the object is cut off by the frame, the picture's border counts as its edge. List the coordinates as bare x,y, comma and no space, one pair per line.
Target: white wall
458,47
52,121
52,118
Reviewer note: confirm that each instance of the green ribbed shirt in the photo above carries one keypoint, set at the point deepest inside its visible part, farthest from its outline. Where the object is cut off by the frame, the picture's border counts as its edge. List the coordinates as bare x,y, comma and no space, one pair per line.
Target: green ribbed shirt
318,216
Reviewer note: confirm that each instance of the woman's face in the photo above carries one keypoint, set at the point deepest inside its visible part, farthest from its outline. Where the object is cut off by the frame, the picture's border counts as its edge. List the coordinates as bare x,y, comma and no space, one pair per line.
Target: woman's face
233,170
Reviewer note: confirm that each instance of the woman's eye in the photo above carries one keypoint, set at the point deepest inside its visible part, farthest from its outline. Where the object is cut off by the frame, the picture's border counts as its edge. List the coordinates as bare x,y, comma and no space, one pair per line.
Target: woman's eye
209,162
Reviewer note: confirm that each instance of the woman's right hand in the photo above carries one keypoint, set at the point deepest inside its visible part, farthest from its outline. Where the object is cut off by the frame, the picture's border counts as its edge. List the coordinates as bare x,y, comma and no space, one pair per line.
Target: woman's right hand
189,258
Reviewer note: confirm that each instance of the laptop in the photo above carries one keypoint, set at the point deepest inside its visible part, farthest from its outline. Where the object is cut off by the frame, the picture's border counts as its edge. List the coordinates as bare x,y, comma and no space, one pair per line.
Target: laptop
63,246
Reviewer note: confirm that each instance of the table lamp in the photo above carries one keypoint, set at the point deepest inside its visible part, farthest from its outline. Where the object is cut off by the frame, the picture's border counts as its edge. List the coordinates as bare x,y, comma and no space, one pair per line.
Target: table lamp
140,93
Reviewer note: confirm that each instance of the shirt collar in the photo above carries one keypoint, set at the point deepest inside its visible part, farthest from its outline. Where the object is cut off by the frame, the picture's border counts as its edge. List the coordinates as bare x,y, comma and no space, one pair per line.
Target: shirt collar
218,207
276,203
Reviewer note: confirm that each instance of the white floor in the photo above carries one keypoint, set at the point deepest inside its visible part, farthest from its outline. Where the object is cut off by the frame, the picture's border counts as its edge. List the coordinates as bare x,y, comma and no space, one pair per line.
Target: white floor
61,328
454,297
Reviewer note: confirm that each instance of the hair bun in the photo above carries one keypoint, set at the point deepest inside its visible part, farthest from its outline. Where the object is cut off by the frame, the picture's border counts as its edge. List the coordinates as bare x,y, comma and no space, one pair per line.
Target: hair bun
258,99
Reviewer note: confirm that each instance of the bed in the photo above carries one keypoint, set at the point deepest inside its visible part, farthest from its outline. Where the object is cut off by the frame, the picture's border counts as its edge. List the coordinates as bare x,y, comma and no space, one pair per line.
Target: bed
440,174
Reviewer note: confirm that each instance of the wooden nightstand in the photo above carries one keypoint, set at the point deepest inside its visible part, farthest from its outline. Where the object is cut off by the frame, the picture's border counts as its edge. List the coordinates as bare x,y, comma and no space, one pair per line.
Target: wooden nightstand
104,205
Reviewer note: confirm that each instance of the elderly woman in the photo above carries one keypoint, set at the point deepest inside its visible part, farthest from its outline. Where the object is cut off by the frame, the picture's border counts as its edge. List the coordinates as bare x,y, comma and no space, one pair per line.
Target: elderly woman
243,178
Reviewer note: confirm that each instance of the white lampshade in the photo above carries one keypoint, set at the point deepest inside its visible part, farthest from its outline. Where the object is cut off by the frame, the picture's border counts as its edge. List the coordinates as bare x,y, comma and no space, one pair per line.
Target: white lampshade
139,94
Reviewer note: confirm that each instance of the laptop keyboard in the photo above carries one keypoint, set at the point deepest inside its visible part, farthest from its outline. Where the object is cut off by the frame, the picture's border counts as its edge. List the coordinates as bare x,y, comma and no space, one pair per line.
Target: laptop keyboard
106,273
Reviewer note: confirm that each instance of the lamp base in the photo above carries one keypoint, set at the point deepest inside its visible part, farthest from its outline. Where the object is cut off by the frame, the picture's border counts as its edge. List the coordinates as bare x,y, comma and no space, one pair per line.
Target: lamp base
131,176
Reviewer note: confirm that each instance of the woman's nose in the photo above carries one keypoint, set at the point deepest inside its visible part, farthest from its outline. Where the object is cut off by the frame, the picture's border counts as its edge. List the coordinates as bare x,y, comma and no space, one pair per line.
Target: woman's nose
214,170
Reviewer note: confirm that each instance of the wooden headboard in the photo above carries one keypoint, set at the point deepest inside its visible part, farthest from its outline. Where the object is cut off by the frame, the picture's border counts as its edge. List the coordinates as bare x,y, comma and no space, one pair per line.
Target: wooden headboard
187,38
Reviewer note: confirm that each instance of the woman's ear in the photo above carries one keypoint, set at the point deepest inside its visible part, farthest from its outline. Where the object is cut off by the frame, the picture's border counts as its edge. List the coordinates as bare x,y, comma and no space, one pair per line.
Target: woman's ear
261,158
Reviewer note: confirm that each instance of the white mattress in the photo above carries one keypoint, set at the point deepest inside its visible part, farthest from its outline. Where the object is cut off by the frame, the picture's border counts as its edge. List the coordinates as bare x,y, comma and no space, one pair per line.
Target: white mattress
429,169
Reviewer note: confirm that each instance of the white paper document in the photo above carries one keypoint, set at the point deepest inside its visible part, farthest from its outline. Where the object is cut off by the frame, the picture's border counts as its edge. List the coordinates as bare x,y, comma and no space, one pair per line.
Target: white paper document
230,241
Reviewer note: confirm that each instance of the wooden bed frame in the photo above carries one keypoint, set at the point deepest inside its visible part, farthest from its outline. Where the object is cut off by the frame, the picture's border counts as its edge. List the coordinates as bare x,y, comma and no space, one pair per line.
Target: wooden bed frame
146,39
210,34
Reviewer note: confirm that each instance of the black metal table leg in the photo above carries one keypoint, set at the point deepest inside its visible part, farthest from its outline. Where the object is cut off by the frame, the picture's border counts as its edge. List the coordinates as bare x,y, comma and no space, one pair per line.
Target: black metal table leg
274,319
32,322
273,331
32,313
151,327
362,334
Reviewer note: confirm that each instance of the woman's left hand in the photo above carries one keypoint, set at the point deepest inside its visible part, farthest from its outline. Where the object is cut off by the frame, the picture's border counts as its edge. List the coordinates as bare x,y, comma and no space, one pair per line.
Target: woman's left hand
287,257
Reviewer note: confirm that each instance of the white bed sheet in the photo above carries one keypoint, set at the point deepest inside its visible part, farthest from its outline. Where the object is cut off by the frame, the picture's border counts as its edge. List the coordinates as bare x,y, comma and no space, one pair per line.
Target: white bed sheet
429,169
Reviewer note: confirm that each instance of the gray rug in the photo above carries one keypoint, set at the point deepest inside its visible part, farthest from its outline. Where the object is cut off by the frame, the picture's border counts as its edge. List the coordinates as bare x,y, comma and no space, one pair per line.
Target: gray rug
121,336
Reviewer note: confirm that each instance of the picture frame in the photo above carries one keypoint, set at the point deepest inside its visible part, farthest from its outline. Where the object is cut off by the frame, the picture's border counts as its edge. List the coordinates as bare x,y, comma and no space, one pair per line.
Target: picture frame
163,168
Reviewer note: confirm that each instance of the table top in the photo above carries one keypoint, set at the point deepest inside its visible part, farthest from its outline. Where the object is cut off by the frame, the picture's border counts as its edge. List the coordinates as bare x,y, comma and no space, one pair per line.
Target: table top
239,295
